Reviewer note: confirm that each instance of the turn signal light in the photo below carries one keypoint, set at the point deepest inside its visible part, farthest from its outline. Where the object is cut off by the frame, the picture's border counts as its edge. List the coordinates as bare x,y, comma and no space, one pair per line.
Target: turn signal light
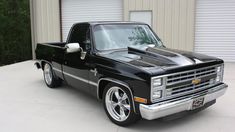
140,100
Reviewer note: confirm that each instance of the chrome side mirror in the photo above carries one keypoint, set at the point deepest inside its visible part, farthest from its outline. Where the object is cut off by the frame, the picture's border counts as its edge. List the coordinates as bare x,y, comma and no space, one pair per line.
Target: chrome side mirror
72,47
75,47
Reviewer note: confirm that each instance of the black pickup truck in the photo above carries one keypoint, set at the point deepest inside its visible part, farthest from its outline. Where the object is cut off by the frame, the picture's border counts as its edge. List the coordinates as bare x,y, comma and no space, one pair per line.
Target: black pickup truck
126,65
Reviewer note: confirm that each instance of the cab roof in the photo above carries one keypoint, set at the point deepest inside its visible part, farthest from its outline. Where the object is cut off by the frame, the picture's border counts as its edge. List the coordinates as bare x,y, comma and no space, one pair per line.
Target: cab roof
92,23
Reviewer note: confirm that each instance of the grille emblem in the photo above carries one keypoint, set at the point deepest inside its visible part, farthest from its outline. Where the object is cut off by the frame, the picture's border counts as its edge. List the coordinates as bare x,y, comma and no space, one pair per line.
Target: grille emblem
196,81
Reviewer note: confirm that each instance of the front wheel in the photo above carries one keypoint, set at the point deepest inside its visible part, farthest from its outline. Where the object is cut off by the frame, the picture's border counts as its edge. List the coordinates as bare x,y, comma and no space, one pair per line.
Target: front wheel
118,105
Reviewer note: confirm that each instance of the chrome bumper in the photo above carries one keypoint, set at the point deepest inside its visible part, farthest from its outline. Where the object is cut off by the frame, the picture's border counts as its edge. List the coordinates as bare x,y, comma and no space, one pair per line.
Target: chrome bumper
155,111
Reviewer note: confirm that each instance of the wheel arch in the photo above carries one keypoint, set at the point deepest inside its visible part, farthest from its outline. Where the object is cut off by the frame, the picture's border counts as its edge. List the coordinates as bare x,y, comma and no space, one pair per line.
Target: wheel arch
43,62
104,81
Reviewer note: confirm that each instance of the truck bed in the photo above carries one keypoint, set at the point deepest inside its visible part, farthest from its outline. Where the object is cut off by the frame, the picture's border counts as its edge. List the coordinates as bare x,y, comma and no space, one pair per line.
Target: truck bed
51,52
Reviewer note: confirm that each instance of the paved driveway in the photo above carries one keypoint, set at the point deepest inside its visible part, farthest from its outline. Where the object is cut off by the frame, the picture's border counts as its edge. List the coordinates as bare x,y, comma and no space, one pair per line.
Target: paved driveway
27,105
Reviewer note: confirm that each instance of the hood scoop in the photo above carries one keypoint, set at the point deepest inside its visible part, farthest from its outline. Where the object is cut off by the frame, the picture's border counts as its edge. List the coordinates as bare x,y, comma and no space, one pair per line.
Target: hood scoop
163,55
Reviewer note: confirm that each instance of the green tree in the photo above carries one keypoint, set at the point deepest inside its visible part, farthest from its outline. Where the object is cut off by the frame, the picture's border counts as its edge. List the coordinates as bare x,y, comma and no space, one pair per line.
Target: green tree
15,34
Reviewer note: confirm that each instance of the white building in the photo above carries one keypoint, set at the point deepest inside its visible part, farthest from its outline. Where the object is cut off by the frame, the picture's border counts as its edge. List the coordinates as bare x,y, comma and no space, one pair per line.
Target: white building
204,26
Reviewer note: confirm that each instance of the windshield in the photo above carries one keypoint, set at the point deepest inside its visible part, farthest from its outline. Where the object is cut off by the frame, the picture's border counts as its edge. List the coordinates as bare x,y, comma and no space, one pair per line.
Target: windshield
109,37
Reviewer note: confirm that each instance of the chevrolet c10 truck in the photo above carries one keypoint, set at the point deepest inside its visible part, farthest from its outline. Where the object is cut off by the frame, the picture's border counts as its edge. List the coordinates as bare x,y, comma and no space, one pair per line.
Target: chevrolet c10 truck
126,65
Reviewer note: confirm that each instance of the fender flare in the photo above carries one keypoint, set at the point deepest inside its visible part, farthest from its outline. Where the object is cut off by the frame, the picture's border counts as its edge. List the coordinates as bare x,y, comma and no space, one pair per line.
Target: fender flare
45,61
117,82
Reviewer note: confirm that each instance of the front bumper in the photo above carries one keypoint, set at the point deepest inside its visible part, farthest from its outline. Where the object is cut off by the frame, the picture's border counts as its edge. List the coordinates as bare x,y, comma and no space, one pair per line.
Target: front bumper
158,110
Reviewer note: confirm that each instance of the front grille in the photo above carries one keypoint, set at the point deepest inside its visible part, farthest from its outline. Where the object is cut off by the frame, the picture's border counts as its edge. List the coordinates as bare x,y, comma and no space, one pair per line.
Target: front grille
190,75
179,84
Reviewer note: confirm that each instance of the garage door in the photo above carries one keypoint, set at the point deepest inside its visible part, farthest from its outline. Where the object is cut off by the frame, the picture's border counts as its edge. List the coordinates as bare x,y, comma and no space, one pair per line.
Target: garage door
89,10
215,28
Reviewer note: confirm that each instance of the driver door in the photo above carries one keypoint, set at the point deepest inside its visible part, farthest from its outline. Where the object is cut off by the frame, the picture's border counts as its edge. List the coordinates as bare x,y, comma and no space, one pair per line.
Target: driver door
75,68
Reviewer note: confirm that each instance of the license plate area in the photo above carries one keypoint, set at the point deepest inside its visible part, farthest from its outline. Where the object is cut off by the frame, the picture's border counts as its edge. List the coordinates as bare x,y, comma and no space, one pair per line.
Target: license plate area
197,103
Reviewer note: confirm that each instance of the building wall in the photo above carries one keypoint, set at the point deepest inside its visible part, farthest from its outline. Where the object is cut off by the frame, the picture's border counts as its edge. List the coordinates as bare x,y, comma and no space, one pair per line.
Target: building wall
172,20
45,22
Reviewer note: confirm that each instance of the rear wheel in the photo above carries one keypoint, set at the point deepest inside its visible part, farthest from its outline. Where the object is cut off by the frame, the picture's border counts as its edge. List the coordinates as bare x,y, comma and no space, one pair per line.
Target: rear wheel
118,105
50,78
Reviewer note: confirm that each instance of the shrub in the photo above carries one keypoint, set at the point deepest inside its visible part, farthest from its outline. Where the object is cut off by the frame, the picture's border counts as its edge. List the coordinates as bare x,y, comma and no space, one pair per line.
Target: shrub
15,34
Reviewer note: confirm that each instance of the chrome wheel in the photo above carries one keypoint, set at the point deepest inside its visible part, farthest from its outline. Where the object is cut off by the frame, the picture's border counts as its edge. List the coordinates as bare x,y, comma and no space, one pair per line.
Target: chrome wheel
117,104
48,74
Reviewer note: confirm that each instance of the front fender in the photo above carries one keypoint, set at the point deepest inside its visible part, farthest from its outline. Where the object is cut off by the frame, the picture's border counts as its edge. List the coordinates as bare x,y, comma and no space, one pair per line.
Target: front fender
108,80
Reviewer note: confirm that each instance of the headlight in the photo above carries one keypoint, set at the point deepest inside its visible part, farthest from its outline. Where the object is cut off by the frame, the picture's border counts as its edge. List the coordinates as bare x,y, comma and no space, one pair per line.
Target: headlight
157,82
157,94
157,88
219,76
219,69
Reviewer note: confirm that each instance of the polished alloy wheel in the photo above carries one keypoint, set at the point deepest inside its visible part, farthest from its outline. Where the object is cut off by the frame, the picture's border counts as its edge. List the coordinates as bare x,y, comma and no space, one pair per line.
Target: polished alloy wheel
117,103
48,74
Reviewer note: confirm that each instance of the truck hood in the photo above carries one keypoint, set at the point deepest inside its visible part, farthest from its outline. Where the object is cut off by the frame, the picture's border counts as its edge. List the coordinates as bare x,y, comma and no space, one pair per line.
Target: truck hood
150,58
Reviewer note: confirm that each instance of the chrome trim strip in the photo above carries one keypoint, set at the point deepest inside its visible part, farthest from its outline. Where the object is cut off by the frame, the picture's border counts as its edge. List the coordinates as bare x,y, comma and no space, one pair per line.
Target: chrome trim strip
75,77
58,70
117,82
93,83
158,110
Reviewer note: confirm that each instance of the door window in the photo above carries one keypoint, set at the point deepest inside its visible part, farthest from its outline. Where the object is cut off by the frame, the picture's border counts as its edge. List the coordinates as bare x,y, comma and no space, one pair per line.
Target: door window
81,34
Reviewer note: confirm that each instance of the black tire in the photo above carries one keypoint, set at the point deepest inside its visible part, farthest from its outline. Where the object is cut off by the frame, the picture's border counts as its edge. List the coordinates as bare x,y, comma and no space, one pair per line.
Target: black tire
132,117
55,81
